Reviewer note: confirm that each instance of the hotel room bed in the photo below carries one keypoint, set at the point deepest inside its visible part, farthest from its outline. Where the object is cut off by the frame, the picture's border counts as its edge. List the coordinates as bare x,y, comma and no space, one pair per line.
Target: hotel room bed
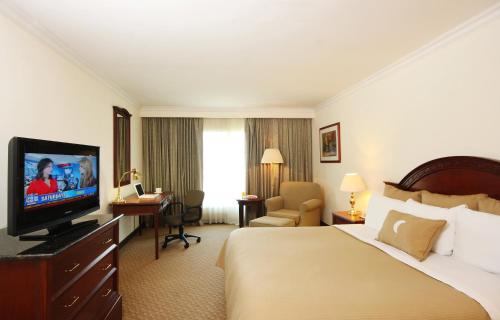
341,272
326,273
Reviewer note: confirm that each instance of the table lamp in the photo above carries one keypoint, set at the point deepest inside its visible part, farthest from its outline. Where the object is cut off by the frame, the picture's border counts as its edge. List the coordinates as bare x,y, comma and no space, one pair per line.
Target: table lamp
135,176
352,182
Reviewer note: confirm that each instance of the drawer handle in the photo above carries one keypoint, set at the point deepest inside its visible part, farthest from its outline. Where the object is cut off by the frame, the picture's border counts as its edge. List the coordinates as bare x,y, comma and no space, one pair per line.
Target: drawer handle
107,293
75,266
75,299
106,268
107,241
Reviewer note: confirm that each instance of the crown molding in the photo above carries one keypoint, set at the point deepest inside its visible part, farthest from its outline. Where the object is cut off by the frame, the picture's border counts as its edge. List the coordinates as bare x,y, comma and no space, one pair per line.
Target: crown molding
442,40
30,25
263,112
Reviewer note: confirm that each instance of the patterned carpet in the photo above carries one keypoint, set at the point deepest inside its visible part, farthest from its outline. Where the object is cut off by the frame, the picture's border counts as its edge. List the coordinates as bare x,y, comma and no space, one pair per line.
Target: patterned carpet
182,284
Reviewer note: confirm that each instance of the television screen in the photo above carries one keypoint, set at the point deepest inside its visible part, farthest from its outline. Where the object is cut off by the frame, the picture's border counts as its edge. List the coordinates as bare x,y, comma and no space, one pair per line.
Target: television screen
53,179
50,184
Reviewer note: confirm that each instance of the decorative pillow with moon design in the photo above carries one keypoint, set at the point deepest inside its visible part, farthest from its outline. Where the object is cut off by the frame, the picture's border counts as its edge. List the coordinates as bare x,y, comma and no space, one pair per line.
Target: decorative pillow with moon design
411,234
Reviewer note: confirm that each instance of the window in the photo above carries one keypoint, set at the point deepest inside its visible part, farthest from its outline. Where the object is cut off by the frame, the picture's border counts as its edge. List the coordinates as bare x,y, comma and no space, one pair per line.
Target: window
224,164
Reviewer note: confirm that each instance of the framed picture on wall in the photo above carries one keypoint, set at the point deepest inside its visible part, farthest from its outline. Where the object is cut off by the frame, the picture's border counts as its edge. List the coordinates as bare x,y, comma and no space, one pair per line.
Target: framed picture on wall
329,143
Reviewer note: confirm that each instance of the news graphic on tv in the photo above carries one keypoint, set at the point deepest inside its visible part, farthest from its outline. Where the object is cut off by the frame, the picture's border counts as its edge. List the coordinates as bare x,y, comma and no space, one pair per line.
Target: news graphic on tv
53,179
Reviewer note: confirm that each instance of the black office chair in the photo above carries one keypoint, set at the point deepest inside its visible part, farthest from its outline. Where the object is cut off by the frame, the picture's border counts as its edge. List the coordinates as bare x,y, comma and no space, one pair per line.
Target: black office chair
190,212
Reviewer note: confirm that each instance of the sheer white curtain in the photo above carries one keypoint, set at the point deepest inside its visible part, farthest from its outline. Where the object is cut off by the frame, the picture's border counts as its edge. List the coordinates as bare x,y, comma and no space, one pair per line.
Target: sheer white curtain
223,169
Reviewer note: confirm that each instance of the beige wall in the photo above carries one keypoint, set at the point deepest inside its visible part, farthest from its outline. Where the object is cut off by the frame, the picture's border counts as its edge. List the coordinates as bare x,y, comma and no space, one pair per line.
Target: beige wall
43,95
445,102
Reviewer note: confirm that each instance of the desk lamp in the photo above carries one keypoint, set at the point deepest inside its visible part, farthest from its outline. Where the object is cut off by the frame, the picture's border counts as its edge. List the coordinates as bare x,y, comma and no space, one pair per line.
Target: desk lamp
135,176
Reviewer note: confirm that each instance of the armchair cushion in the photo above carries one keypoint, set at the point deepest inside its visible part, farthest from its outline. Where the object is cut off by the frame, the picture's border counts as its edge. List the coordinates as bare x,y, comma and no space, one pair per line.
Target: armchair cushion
310,205
274,203
286,213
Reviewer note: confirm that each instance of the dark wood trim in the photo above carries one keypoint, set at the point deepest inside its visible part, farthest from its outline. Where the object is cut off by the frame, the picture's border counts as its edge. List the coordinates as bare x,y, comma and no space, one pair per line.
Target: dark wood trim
127,115
124,112
458,175
339,146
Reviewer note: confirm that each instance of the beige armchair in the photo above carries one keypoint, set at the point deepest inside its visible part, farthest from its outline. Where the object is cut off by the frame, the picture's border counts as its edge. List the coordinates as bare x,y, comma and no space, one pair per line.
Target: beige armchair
298,201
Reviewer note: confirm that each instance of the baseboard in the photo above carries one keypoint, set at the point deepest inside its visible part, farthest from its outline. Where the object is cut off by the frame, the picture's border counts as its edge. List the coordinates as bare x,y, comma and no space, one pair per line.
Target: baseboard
321,223
127,238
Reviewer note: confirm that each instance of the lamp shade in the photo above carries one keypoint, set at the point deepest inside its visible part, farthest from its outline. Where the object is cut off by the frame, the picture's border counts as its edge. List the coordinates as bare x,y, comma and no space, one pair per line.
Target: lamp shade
352,182
272,155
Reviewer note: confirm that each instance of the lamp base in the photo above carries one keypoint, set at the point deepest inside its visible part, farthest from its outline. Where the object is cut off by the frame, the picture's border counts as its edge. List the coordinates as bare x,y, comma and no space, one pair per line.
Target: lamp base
352,201
119,201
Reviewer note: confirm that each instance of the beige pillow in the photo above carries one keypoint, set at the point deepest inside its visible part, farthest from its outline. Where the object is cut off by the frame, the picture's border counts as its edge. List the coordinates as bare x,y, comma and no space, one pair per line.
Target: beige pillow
411,234
489,205
403,195
446,201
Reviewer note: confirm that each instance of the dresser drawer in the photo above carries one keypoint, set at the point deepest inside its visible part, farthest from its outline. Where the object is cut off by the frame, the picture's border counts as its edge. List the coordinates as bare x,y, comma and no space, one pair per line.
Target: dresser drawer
72,299
101,302
74,260
116,311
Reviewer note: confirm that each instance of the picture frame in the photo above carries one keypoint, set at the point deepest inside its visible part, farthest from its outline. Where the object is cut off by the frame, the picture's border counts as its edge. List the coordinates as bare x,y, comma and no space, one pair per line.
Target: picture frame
329,144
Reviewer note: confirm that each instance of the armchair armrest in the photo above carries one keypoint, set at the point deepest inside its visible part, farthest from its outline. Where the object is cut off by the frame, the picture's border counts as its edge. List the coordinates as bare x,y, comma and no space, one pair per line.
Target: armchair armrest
310,212
310,205
274,203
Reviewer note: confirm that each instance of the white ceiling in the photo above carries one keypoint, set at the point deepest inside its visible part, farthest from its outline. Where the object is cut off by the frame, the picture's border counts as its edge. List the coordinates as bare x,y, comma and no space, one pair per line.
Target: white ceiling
241,53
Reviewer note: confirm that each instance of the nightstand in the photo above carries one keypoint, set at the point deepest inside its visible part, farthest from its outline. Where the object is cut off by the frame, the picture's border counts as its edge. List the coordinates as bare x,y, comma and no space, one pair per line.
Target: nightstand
343,217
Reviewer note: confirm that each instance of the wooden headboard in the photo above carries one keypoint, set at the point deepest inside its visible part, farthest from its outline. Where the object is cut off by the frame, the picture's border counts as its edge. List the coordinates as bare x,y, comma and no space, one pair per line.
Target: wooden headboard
455,175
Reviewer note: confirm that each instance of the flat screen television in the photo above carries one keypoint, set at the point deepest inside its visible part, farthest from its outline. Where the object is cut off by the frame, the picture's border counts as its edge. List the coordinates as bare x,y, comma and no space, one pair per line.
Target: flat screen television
50,184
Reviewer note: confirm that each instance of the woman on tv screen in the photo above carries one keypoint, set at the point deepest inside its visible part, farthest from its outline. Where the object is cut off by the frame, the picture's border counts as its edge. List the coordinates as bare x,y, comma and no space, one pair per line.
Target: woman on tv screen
87,178
43,183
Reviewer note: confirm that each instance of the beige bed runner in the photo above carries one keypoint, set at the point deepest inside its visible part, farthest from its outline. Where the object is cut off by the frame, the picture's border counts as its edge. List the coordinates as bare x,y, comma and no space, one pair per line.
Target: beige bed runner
324,273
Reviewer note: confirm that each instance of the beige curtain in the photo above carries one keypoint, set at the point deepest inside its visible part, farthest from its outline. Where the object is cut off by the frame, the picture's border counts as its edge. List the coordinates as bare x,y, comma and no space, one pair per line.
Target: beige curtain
293,137
172,154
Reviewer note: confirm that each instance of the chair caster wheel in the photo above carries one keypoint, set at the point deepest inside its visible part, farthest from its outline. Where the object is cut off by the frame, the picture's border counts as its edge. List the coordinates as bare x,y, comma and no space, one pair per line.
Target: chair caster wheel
186,246
198,240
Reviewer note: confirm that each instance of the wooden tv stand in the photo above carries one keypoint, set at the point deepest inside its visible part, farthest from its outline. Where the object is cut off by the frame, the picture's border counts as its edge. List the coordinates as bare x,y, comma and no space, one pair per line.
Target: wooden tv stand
74,277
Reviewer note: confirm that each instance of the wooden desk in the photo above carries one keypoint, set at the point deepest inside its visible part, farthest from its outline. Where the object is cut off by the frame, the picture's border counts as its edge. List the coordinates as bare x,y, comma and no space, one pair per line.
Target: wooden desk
259,203
133,206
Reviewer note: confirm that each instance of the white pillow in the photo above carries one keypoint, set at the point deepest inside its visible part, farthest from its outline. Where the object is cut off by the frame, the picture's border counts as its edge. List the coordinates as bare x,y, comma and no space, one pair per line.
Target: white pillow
477,239
444,244
378,208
